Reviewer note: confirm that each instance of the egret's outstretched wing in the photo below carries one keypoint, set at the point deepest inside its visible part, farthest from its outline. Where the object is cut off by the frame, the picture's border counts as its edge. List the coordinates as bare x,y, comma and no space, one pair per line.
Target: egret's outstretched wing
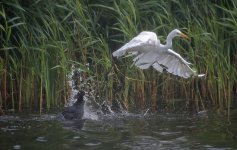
145,60
145,41
158,67
174,64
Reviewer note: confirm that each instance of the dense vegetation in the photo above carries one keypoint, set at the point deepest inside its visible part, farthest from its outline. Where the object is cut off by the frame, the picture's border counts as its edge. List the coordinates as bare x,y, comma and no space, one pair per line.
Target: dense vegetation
41,40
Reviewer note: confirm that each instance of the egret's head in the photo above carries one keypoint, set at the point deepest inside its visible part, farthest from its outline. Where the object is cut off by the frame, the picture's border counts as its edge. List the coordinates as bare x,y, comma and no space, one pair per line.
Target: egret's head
177,32
173,34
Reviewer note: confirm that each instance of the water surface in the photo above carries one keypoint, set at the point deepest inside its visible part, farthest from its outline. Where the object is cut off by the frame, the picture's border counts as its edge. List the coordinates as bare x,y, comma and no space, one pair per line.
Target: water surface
127,131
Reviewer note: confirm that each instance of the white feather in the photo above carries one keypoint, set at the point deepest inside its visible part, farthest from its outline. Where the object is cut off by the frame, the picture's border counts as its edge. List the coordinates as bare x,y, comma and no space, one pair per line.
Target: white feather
149,52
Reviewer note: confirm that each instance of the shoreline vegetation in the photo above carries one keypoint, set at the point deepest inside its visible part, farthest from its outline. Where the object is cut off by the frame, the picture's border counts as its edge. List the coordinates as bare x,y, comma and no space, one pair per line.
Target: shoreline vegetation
41,41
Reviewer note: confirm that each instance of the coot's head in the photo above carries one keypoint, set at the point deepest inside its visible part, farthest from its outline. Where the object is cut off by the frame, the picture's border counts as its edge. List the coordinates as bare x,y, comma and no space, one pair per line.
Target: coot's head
80,95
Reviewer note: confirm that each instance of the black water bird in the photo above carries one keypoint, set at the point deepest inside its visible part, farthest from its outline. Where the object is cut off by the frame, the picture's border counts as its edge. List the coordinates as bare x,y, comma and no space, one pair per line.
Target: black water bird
76,111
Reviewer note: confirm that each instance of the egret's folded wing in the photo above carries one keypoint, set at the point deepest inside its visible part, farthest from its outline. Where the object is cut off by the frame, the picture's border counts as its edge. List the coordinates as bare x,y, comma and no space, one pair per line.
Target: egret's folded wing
141,43
175,64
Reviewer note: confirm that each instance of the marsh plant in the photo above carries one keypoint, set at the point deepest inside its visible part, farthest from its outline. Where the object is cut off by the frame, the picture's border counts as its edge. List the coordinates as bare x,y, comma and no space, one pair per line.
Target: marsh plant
41,40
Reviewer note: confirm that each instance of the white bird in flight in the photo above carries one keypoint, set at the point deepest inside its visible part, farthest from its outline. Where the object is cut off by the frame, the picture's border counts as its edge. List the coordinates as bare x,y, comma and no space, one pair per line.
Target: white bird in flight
149,52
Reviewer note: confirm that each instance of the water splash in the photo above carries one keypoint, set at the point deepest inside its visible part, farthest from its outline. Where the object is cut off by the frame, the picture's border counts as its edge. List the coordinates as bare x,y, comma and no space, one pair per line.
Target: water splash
92,109
77,80
72,85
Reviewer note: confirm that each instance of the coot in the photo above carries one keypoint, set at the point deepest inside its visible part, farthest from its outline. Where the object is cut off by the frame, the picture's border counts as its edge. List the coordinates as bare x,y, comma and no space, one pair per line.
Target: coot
75,111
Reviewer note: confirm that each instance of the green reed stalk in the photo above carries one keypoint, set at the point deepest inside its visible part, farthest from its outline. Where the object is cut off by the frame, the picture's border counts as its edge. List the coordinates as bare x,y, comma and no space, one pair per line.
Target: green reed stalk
42,40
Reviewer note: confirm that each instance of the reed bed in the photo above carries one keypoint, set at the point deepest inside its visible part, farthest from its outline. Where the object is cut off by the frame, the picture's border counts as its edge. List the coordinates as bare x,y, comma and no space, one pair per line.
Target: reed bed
40,42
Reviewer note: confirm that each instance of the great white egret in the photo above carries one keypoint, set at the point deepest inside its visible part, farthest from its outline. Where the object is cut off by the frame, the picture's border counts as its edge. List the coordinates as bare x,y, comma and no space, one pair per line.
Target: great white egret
149,52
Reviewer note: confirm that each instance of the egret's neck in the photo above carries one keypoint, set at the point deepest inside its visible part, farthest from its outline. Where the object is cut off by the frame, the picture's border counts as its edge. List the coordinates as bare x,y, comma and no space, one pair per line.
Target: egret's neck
168,44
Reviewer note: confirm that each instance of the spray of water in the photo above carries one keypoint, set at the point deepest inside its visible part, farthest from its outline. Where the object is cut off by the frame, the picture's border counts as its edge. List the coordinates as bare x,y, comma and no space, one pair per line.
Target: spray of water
71,83
77,80
92,110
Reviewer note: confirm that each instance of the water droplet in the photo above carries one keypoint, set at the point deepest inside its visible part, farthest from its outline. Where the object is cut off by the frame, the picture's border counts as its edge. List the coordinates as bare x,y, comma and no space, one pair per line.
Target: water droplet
93,144
41,139
76,137
17,147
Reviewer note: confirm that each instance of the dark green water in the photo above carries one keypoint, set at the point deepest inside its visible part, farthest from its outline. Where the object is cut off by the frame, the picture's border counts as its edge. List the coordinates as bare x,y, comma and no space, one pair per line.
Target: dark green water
157,131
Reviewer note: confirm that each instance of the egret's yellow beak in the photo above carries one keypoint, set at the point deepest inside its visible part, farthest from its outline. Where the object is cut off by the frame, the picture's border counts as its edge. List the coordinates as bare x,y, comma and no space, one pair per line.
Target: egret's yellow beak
184,36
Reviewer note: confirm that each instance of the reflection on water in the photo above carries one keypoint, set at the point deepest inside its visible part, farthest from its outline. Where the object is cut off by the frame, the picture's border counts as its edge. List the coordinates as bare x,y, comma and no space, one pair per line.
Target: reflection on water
129,131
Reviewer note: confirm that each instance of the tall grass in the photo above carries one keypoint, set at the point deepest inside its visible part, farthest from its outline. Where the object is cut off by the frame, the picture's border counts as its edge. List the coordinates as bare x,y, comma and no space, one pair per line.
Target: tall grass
41,41
34,53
